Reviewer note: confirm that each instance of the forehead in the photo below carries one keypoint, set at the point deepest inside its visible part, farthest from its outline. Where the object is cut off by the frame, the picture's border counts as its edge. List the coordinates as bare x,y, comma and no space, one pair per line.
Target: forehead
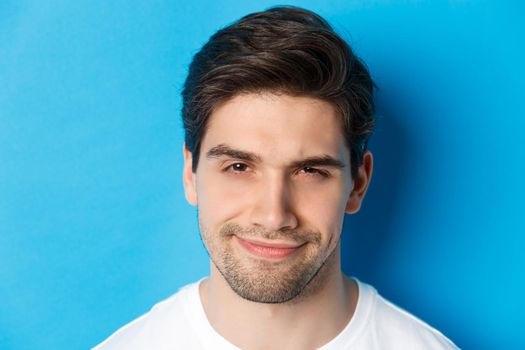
279,127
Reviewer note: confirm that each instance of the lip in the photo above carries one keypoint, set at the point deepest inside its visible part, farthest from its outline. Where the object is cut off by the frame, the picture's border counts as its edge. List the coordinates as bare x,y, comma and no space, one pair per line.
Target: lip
268,250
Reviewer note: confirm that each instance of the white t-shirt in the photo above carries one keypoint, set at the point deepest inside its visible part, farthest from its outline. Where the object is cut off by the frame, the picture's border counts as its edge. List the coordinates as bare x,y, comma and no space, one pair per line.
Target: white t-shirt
180,322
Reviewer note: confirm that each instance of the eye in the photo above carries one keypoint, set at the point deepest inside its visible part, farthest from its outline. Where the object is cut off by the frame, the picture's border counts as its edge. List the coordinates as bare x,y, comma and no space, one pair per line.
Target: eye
313,172
237,167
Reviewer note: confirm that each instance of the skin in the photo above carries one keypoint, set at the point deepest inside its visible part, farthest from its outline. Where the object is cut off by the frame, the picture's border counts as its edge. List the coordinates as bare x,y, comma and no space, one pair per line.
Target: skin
274,170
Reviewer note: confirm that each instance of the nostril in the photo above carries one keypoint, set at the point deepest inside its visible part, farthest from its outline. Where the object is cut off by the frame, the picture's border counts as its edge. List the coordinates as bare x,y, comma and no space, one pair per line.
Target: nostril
274,218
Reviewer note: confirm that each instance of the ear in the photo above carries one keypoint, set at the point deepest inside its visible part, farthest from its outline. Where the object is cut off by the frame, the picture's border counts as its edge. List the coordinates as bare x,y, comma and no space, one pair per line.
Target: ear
188,177
360,184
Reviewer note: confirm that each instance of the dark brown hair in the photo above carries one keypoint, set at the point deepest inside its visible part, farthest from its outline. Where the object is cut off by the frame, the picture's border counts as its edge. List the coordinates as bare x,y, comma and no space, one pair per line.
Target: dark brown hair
285,50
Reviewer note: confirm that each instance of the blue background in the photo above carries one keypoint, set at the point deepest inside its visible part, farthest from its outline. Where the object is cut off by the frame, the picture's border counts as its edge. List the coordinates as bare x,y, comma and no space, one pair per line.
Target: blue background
94,228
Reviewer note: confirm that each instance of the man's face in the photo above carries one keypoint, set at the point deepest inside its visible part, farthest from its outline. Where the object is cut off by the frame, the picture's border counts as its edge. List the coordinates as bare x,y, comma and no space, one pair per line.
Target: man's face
272,186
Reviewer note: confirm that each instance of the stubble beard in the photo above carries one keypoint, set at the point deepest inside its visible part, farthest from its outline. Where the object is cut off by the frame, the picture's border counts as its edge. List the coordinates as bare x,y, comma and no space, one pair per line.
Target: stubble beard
271,282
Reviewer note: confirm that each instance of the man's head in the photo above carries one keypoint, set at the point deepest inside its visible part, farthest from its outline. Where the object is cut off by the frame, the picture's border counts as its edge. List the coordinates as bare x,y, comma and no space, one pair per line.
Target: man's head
277,113
285,50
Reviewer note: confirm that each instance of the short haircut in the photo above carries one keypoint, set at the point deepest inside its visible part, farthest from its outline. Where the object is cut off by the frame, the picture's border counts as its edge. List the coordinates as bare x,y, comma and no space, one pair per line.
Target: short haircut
285,50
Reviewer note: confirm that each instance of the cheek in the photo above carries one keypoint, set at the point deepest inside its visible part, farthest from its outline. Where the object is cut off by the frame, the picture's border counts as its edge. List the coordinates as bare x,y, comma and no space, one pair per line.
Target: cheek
324,209
218,200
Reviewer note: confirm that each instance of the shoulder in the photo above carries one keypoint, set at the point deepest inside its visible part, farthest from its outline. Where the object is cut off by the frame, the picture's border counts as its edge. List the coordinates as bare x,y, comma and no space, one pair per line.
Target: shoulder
166,323
399,329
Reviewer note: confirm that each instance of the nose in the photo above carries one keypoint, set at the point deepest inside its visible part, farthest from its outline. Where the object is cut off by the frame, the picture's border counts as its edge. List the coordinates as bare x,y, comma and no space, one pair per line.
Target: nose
272,205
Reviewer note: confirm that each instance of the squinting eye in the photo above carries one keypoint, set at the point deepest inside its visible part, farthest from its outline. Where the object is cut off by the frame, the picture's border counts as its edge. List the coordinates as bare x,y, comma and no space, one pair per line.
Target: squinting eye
310,170
313,171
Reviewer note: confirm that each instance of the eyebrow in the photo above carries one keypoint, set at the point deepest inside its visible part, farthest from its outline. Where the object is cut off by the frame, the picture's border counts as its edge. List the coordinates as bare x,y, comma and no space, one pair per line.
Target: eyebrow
320,161
315,161
225,150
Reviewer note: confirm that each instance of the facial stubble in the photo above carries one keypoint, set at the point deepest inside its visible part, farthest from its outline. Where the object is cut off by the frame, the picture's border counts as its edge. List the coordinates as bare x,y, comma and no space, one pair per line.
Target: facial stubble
258,280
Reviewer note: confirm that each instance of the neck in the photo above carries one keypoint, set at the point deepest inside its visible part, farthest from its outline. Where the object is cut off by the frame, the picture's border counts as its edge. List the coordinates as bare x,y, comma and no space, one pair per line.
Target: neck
330,297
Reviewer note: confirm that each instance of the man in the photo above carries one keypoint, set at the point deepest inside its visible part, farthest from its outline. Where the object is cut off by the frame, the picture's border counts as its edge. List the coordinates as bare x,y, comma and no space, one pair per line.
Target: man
277,113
